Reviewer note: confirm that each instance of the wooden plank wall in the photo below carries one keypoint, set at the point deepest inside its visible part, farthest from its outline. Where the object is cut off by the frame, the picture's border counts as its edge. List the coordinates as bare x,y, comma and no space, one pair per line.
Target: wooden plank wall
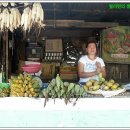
118,72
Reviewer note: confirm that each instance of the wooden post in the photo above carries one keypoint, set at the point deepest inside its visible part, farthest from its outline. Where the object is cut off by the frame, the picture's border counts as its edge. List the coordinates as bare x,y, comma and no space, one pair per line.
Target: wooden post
7,51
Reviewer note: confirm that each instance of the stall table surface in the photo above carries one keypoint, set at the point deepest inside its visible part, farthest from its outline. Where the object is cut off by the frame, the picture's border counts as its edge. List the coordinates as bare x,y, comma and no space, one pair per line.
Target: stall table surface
87,112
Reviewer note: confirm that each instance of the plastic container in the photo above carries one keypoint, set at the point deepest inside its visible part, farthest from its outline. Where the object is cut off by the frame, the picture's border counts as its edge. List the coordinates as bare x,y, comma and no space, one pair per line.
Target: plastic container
4,85
31,68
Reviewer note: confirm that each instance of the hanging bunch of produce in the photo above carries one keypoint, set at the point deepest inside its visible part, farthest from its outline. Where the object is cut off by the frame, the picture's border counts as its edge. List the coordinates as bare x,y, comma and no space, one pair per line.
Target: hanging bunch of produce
37,15
26,21
14,19
11,18
59,89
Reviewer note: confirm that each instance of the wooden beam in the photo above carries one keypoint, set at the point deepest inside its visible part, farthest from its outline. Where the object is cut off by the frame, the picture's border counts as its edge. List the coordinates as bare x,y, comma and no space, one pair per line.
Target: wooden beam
78,24
54,32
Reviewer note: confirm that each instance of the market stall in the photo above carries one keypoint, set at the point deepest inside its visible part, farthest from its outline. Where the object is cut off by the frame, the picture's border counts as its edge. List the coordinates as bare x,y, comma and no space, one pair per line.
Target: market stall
39,80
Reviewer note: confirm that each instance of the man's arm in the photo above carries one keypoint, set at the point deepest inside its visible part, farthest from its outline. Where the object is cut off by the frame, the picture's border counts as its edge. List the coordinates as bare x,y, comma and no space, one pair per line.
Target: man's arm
83,74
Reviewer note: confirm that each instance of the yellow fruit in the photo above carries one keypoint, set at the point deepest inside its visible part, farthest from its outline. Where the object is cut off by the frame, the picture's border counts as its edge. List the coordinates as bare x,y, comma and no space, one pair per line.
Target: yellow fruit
17,90
85,87
35,95
12,85
89,83
105,82
114,87
20,86
29,78
21,94
30,95
26,94
19,77
20,81
30,85
22,90
24,85
25,81
90,88
117,84
112,81
32,89
93,80
96,83
109,84
96,87
105,88
16,81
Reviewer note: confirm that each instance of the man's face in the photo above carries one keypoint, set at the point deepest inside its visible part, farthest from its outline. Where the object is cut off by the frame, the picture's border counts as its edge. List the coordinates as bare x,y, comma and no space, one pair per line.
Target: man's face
91,49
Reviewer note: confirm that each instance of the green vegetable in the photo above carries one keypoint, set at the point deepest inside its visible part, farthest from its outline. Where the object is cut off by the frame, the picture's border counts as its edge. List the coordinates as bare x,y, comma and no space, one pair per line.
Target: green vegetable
58,81
81,91
61,84
77,88
71,85
66,84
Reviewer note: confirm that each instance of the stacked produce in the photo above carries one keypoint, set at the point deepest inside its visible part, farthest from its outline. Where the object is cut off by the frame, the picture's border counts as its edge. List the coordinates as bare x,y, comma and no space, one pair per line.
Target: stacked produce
4,91
59,89
24,85
93,85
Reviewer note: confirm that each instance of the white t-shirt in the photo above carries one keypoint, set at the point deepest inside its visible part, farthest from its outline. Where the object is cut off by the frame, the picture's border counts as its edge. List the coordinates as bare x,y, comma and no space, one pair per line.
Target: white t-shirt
90,66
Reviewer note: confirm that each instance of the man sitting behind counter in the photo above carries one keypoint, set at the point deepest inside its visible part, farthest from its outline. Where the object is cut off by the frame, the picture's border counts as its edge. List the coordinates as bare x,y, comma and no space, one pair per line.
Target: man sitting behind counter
90,65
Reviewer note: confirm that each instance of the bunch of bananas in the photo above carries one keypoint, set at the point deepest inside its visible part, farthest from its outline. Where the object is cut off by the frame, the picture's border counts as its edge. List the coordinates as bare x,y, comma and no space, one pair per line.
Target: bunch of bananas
59,89
24,86
4,92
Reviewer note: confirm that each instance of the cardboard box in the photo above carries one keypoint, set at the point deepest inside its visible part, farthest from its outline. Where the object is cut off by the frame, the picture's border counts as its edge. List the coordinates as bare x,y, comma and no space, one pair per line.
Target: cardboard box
21,63
69,76
53,45
48,70
68,69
